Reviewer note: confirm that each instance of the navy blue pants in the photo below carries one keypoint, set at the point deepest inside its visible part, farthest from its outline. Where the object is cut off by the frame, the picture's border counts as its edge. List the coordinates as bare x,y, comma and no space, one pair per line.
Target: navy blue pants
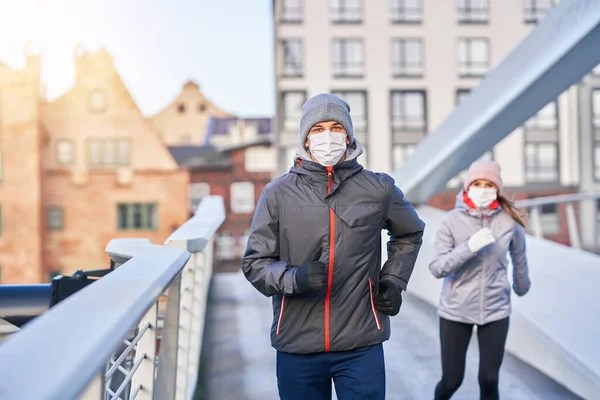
358,374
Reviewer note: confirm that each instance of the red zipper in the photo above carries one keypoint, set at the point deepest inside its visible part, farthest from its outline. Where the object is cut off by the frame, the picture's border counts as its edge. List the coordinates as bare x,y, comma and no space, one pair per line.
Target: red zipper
373,304
280,315
331,260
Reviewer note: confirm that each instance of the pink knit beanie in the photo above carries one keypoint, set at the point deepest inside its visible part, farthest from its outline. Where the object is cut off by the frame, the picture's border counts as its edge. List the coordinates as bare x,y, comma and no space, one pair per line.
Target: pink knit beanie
484,169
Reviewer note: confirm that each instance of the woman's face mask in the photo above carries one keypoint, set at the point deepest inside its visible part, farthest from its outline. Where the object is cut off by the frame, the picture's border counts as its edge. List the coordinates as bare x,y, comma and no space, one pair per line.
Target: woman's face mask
482,197
327,148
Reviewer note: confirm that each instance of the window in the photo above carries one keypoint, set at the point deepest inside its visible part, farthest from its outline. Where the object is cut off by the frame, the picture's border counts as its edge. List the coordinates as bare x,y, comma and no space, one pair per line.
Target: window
545,119
348,58
292,109
534,10
181,108
242,197
541,162
97,100
409,123
406,11
473,11
357,100
243,241
196,192
596,132
137,216
346,11
64,152
407,57
473,57
292,57
549,219
108,152
56,218
225,246
291,11
401,153
408,111
201,107
461,94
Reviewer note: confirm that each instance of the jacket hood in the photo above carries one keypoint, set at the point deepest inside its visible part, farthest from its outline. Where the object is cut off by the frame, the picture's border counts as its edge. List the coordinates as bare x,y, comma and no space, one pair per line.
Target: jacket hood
353,150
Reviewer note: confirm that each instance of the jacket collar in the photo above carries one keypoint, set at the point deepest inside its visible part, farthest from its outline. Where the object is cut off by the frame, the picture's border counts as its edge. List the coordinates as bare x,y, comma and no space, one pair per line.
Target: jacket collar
464,203
317,175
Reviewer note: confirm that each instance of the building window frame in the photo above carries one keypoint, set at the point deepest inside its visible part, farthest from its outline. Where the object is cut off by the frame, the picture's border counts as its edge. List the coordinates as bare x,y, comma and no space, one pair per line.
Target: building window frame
225,241
401,66
532,13
399,12
292,68
342,13
55,218
292,13
61,157
287,125
148,216
242,197
468,68
111,152
460,94
344,67
404,127
534,172
537,136
467,13
196,192
550,219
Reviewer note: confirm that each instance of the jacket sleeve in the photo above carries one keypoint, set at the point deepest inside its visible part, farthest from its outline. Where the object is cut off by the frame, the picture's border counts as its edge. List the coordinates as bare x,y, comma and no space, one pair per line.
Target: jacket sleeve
517,250
449,257
261,264
406,236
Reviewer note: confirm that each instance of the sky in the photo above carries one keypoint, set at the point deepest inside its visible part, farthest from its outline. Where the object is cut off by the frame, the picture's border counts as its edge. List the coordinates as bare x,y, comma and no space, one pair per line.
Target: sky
226,46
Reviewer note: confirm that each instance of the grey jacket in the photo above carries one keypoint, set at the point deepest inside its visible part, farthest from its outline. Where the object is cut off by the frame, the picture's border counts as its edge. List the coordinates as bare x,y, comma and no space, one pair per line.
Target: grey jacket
476,288
344,213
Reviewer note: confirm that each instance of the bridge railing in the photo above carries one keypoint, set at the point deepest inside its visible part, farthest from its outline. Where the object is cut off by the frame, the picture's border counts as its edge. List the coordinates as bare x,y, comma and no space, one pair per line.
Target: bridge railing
134,334
534,206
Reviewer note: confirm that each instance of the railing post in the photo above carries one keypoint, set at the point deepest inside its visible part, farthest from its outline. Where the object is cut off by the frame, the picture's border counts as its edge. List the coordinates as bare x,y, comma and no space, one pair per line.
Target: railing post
143,379
572,226
185,326
536,222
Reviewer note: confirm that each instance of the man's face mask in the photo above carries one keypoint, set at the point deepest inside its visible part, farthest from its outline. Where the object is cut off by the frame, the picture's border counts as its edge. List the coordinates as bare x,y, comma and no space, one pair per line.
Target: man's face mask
327,148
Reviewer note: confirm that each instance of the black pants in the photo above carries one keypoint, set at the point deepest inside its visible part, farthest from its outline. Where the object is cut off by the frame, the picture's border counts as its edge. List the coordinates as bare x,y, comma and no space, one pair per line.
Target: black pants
454,338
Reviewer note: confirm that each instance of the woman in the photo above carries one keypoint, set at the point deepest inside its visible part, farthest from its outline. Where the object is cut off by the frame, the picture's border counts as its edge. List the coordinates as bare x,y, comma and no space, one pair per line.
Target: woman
471,247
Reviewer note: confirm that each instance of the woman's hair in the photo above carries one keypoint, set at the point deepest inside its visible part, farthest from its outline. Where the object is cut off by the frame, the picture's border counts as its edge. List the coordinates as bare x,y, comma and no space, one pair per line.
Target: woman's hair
509,207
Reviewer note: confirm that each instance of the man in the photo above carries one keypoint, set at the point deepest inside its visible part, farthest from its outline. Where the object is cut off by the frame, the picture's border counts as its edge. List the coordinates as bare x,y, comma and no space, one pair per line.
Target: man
315,247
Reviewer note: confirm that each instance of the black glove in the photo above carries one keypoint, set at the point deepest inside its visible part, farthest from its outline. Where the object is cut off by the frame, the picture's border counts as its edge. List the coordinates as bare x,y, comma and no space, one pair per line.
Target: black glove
312,275
388,298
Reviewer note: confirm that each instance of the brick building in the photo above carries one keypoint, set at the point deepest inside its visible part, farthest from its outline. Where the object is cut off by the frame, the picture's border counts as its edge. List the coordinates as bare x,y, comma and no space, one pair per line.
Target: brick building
79,171
238,174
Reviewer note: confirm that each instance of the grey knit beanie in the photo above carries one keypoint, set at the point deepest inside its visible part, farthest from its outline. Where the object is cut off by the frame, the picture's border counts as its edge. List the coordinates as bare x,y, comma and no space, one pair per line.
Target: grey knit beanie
325,107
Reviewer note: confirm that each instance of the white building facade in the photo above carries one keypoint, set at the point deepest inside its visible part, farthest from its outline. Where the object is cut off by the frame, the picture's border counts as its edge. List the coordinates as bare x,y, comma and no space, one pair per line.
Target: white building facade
403,65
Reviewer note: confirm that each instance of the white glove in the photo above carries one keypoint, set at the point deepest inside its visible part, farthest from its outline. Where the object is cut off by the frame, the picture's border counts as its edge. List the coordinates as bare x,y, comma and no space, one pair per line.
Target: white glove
480,239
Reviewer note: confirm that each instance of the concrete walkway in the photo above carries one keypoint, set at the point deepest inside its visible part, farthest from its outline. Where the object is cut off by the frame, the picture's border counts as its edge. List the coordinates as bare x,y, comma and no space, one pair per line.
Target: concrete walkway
238,362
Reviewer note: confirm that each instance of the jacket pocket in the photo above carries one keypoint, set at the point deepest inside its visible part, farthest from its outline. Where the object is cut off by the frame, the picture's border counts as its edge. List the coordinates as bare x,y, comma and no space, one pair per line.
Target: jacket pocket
373,304
281,310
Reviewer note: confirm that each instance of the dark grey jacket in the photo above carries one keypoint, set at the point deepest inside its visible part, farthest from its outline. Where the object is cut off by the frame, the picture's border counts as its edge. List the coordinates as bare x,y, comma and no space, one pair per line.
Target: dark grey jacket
294,215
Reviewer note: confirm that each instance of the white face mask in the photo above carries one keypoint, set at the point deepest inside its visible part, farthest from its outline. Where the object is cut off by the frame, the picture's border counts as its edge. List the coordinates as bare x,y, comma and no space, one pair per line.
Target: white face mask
327,148
482,197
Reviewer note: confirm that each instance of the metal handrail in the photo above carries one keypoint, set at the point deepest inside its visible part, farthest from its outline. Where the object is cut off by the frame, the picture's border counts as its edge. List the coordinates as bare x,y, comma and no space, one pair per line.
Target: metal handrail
67,348
558,199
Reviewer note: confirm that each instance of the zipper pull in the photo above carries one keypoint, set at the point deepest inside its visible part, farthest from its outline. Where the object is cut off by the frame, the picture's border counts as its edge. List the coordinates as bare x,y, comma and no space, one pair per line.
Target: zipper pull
330,176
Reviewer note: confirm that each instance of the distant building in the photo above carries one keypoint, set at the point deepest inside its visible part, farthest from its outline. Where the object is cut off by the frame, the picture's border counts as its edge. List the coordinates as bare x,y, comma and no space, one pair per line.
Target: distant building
403,66
239,174
79,171
232,131
184,122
